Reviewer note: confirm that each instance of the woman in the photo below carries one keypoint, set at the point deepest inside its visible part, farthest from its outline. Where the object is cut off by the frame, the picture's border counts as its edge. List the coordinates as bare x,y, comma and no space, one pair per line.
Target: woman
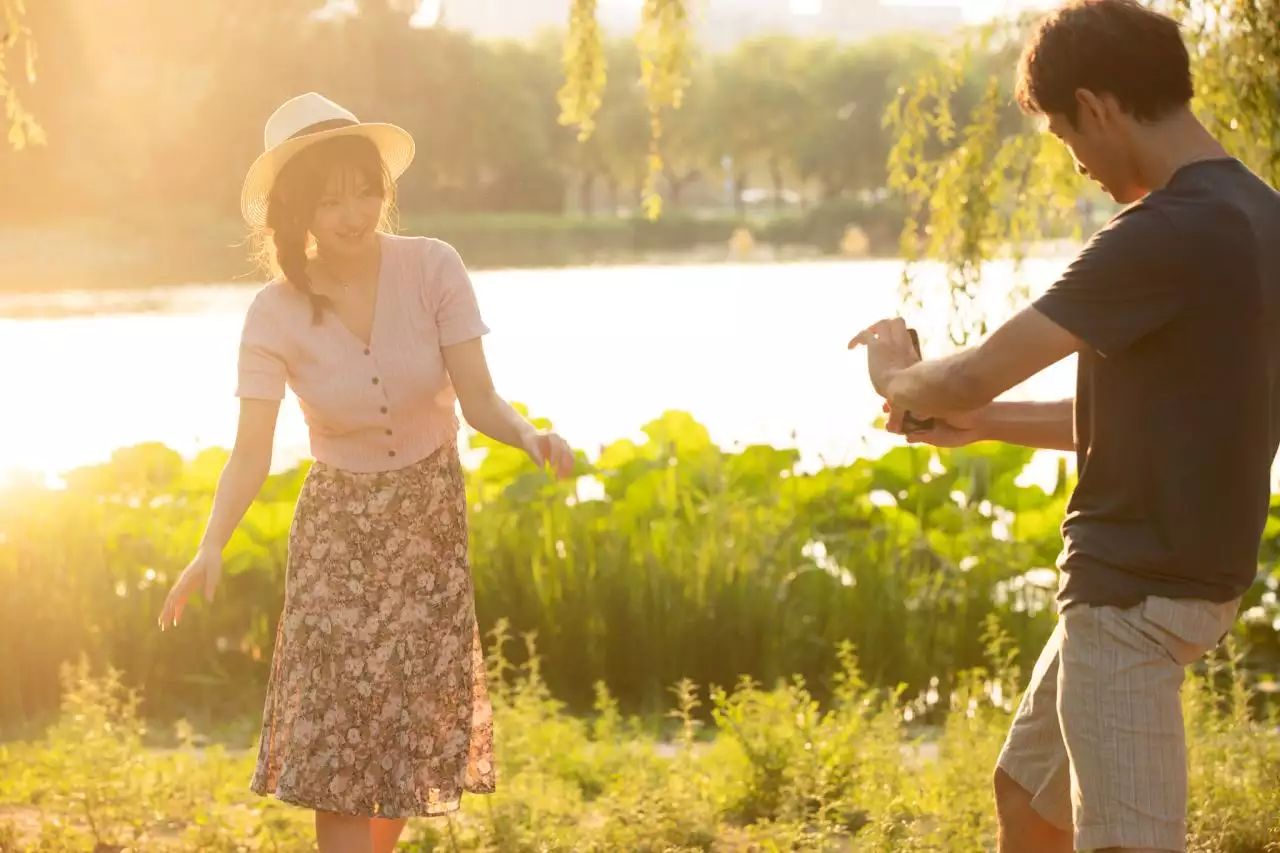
376,708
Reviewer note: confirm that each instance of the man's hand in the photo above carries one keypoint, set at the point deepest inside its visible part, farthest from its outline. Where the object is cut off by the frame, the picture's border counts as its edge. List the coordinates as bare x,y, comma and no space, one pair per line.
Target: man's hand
955,430
889,350
968,379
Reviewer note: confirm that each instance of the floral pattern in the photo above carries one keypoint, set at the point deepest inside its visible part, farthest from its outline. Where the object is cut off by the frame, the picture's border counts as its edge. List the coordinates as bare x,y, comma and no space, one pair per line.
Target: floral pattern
377,703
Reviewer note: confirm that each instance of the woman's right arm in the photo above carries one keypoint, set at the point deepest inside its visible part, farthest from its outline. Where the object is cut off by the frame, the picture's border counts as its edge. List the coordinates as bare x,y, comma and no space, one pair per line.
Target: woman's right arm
245,472
242,478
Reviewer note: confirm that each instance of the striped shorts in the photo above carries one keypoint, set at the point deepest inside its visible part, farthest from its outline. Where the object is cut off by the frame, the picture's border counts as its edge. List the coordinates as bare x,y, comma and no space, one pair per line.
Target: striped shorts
1098,739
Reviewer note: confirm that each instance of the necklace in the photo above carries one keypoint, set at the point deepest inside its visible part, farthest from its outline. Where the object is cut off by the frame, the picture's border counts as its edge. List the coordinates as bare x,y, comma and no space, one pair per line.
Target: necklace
333,281
342,286
338,284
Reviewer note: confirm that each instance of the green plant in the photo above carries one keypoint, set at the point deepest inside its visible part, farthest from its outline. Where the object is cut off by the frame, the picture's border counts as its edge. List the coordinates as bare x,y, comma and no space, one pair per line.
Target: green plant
774,771
669,558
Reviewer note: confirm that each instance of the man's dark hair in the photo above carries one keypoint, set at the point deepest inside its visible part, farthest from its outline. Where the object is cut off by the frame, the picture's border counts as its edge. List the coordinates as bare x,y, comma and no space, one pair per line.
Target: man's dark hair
1115,47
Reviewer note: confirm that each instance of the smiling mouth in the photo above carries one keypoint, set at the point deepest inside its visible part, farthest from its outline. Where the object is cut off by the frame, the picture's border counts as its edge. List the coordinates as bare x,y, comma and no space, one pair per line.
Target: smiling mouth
353,235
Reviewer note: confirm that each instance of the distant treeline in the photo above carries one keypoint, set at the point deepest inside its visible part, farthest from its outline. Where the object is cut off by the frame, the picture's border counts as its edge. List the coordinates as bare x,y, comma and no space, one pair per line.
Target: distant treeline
153,112
161,106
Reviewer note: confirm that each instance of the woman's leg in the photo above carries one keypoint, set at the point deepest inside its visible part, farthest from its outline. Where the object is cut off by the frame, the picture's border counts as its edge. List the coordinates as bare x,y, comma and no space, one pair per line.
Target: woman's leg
337,833
385,833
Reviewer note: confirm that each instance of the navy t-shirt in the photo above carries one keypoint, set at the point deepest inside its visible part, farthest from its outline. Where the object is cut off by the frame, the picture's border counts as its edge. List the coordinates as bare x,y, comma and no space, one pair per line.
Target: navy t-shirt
1177,411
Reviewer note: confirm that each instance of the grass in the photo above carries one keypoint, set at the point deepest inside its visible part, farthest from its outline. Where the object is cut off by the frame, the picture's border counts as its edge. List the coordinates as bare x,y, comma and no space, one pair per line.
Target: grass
694,684
761,768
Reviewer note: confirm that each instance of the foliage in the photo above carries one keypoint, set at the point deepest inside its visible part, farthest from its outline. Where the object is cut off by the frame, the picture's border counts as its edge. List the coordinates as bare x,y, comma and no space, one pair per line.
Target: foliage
693,563
585,69
496,167
1235,48
972,184
978,181
496,123
979,185
533,240
663,43
15,39
668,559
663,40
844,94
776,772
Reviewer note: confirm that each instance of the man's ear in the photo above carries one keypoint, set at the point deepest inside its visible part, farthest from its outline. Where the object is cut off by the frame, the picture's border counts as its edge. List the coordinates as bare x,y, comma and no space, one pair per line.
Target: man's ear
1094,110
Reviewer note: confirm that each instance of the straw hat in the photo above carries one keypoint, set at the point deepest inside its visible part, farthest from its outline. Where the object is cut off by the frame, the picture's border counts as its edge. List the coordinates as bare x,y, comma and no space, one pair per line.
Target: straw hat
306,120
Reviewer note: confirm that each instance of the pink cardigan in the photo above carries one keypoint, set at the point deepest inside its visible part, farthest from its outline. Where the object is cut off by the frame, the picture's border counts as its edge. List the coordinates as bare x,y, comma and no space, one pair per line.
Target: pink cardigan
374,408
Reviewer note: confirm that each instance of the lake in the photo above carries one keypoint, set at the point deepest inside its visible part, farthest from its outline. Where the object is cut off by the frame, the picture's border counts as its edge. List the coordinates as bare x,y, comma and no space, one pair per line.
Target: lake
757,353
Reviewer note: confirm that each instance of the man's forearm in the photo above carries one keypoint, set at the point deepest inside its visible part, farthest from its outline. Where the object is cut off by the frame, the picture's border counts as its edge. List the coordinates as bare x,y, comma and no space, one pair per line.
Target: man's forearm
1045,426
970,379
938,387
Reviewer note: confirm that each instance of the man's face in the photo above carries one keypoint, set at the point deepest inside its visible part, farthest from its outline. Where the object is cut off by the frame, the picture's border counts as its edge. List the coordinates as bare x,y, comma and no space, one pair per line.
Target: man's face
1099,142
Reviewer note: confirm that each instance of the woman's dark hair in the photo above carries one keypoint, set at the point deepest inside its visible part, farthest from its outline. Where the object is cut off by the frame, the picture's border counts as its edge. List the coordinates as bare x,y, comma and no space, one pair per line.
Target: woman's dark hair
295,195
1115,47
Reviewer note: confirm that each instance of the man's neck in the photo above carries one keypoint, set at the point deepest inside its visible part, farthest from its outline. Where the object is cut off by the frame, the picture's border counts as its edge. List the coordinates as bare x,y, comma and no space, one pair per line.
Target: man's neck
1166,146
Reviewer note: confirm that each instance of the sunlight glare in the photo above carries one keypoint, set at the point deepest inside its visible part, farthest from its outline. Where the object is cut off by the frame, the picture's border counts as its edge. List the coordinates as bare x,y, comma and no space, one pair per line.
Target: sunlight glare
428,14
978,11
335,9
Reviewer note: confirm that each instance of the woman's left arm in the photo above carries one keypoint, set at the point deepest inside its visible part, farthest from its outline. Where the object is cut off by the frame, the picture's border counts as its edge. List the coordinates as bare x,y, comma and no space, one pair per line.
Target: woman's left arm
493,416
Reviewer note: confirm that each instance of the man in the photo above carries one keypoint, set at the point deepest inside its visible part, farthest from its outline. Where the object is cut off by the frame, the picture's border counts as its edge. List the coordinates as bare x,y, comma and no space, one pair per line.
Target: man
1172,309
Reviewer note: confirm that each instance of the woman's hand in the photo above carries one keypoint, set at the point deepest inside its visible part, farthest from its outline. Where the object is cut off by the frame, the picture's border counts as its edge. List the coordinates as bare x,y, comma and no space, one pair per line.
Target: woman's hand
548,448
202,572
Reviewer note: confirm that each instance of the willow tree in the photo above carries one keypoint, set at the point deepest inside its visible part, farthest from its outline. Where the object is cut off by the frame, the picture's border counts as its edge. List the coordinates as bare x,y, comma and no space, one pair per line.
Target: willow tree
663,41
976,194
974,190
16,43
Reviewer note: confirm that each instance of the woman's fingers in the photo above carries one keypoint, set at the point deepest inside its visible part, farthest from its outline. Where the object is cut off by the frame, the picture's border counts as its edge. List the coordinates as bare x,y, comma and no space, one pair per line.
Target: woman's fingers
561,457
188,581
172,610
211,577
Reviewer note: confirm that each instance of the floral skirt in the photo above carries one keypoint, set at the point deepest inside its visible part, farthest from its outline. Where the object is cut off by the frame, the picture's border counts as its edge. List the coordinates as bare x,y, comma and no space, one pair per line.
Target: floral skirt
377,703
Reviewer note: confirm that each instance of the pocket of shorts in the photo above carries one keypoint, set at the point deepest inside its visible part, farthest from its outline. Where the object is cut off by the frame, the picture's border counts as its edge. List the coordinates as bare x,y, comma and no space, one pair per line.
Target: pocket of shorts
1186,628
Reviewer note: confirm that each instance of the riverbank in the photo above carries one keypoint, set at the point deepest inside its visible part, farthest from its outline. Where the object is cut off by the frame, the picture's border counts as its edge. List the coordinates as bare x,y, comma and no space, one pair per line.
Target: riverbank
159,251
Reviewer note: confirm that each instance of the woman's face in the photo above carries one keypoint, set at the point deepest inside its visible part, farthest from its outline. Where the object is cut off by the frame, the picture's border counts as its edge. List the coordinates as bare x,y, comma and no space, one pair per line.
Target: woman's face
347,215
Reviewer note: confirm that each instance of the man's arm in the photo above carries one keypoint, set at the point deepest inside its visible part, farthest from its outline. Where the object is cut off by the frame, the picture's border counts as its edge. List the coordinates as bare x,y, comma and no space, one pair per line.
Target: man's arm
1126,283
969,380
1044,426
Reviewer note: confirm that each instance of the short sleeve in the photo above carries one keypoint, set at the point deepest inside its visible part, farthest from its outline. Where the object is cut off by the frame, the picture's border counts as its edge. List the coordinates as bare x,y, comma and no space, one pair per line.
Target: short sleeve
261,371
1127,282
457,311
